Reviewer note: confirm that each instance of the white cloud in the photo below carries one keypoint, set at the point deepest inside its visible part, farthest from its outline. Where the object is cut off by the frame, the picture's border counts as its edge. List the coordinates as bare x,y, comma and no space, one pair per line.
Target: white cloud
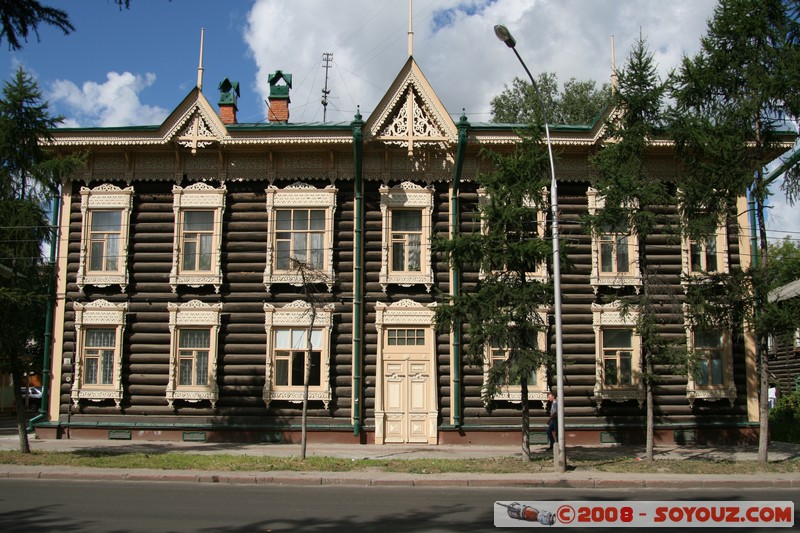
455,45
112,103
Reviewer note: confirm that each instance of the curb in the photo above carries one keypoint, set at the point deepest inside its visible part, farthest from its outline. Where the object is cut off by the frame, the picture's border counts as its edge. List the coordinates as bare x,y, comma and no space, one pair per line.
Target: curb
400,480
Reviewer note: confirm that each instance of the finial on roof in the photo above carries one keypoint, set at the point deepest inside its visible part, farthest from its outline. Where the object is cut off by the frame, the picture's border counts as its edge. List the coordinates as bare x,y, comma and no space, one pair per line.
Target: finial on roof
613,68
410,28
200,67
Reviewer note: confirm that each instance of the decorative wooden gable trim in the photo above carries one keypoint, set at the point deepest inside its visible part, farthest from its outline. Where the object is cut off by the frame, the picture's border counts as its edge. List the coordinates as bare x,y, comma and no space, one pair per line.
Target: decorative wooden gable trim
411,114
194,124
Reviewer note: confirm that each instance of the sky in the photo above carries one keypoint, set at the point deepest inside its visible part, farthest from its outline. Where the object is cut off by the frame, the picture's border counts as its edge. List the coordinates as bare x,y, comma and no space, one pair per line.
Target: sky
134,66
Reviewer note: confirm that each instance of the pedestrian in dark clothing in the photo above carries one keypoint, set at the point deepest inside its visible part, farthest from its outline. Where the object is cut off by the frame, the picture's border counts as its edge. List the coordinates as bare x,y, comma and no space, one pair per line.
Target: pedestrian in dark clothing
552,430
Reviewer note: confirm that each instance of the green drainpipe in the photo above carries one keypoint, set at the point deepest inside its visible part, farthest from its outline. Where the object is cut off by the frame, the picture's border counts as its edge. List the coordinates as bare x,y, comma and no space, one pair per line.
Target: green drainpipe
358,269
463,130
51,302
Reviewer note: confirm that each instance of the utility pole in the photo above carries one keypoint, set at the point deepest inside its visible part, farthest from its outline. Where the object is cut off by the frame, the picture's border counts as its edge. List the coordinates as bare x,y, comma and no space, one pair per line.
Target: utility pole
327,57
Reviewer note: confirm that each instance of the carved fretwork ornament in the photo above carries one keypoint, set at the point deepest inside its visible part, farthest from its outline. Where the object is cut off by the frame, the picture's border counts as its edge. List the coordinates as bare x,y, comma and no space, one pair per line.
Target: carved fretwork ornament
100,314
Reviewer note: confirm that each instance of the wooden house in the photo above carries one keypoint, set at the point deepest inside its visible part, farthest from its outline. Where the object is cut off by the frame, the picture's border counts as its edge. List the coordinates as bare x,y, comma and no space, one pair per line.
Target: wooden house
183,313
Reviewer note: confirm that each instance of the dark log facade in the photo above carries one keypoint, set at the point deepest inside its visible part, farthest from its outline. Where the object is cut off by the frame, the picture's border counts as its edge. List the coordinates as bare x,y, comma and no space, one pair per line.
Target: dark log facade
248,159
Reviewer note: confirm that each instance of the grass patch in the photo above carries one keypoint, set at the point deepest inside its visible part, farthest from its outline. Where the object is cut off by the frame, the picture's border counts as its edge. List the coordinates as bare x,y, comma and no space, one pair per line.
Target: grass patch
499,465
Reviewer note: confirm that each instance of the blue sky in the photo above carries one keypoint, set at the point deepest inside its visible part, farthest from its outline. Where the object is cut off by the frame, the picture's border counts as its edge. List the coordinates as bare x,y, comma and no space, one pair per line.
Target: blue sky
134,66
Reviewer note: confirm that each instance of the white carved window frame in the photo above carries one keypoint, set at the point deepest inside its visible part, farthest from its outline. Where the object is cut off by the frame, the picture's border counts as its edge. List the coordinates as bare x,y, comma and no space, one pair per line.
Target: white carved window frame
193,315
540,274
406,195
711,392
616,280
300,195
199,196
611,316
106,315
721,241
104,197
406,314
513,393
297,314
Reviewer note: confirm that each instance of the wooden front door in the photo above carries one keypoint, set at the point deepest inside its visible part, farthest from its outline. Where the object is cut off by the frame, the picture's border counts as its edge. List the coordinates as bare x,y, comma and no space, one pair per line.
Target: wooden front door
407,400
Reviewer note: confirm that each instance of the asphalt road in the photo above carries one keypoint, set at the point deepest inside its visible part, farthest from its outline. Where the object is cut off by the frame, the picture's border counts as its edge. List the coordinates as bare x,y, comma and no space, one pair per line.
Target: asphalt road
54,505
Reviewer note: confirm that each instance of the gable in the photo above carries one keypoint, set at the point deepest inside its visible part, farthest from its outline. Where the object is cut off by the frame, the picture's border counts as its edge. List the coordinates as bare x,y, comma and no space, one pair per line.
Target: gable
194,124
410,114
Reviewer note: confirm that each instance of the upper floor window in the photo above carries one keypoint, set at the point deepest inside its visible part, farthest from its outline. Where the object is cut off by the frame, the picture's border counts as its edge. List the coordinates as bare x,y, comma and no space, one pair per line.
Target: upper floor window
197,242
99,327
617,354
295,335
706,255
535,225
406,210
300,235
615,251
710,374
194,329
105,212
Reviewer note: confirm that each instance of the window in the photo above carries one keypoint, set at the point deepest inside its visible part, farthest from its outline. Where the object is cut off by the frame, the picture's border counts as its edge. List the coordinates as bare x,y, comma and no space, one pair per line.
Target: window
105,212
99,327
193,351
405,337
197,239
706,254
288,339
406,212
99,356
291,350
300,232
711,366
536,228
194,328
498,356
617,357
197,243
618,354
615,252
406,251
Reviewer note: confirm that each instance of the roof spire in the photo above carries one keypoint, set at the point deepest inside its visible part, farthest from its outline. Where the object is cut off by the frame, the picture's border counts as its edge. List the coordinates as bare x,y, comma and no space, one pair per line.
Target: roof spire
613,68
410,28
200,67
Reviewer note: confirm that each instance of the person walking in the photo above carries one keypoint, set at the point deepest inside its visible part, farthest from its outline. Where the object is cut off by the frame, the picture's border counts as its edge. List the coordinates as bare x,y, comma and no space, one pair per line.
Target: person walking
552,431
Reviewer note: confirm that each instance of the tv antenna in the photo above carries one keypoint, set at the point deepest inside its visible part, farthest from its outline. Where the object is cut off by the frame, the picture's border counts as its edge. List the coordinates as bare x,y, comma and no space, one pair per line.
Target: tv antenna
327,57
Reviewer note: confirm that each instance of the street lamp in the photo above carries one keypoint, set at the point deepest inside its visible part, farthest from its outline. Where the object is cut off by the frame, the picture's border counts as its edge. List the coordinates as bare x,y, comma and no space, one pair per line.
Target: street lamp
504,35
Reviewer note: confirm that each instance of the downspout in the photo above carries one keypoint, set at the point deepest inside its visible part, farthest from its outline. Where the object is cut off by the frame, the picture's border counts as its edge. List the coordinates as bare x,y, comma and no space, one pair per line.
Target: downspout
51,302
463,130
358,269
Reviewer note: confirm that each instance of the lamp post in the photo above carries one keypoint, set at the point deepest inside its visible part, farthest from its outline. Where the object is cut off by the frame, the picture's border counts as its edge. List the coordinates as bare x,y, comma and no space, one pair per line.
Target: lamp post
504,35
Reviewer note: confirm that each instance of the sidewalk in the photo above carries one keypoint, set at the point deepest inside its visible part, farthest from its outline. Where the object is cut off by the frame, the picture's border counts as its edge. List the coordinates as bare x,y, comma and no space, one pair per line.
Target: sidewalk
572,478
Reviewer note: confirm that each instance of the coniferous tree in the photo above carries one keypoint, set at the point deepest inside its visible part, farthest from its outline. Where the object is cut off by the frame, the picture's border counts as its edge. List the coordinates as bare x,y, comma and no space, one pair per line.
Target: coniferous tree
506,307
731,102
26,183
634,204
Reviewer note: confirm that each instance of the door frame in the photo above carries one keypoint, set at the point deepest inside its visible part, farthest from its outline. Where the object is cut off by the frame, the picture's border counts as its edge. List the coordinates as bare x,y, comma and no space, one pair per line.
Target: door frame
406,313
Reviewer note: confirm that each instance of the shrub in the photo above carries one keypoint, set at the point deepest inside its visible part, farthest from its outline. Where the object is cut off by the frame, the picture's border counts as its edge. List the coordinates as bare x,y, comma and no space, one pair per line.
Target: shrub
784,419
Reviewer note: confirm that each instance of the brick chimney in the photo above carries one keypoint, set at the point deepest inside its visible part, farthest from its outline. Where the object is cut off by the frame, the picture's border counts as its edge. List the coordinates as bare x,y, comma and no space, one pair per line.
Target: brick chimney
228,95
279,96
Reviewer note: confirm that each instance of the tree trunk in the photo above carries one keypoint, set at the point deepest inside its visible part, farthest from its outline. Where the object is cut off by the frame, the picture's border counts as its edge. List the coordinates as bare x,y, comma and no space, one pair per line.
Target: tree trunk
22,416
526,421
648,387
306,377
